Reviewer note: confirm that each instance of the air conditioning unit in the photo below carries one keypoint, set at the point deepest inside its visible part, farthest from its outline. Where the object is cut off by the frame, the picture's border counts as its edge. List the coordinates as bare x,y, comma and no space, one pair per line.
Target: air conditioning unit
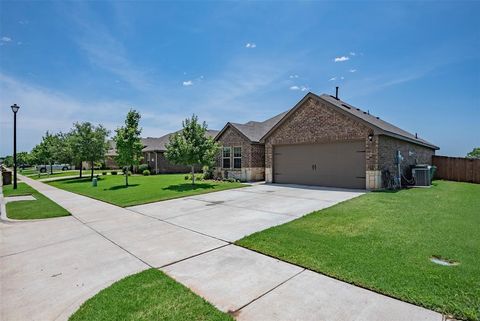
422,175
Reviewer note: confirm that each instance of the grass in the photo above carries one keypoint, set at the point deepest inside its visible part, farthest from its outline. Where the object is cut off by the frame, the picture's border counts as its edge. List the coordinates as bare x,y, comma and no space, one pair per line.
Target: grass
35,175
42,207
383,241
142,189
148,295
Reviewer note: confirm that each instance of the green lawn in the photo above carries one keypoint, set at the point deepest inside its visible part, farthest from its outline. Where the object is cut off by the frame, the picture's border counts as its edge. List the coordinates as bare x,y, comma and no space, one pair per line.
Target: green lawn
42,207
35,175
142,189
384,240
148,295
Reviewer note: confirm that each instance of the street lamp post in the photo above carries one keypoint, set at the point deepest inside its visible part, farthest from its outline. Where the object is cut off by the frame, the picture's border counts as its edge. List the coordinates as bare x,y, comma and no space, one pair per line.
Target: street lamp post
15,109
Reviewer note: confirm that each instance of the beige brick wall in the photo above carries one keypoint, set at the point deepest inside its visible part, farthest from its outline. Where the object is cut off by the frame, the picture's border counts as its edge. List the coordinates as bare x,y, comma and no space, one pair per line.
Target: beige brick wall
253,156
315,122
412,154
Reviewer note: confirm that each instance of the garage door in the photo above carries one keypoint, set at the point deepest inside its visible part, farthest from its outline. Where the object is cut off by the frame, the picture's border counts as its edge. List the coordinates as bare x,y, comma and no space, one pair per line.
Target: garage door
335,164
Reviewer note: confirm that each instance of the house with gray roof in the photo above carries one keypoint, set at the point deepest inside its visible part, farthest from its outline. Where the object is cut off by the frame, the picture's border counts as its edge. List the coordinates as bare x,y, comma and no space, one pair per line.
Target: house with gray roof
153,154
323,141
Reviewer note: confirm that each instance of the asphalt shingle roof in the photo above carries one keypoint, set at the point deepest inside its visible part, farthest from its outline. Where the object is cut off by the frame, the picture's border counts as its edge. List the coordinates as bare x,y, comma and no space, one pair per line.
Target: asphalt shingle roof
154,144
375,121
254,130
257,131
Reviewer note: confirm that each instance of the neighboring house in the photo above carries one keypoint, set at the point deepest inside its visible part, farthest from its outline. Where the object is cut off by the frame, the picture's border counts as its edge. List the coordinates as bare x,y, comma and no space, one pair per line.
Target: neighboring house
110,155
154,154
320,141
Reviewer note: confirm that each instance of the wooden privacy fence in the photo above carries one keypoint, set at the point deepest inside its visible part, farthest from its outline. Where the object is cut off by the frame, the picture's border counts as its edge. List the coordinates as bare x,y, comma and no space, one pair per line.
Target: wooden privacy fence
457,169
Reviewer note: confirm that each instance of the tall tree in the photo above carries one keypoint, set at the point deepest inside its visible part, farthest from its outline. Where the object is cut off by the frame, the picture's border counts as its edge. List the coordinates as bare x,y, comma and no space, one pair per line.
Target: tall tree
191,146
128,143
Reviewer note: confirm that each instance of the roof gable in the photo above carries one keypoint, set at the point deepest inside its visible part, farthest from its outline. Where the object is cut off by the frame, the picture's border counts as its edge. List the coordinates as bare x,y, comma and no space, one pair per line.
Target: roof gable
379,125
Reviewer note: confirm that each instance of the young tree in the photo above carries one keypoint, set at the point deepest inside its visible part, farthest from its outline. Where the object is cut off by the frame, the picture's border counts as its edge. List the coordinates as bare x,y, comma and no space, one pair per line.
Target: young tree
63,152
23,158
44,151
88,143
191,146
128,144
475,153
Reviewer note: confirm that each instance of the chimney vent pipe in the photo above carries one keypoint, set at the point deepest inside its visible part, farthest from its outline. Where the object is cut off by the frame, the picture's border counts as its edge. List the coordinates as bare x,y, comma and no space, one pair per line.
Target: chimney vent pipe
336,92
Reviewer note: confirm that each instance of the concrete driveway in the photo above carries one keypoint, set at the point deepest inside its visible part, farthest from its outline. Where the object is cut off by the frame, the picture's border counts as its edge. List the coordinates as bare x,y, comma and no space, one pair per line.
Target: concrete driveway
230,215
49,267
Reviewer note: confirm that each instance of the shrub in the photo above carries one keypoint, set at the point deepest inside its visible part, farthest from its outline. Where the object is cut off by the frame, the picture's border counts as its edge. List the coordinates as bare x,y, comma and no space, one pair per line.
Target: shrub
143,167
104,173
187,177
207,172
114,172
146,172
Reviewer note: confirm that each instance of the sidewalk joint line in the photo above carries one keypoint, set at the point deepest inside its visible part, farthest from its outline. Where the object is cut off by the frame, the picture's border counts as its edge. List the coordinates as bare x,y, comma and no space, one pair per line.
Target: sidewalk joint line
195,255
267,292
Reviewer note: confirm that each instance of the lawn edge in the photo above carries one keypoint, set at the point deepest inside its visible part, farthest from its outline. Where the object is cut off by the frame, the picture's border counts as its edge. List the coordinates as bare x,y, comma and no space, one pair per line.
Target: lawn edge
9,219
144,203
360,285
342,280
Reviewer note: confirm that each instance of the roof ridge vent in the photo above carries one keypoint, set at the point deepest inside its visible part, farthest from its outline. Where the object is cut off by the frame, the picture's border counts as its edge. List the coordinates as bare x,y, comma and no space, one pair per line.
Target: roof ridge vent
346,106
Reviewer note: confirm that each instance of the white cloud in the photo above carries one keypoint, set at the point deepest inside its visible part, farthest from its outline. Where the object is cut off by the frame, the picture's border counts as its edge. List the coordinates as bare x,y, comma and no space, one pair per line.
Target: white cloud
342,78
352,53
6,39
301,88
293,76
333,79
187,83
352,70
342,58
250,45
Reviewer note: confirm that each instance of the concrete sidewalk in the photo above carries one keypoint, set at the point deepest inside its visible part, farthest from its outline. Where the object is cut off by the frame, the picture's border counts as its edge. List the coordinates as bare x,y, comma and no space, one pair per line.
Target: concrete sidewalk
48,268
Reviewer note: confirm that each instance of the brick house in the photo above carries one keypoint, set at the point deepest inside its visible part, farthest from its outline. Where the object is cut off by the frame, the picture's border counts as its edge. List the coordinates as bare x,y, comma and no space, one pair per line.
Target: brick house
154,155
322,140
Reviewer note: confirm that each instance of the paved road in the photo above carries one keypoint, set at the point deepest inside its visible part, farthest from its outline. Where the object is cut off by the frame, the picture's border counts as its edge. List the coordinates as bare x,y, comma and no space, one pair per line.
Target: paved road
49,267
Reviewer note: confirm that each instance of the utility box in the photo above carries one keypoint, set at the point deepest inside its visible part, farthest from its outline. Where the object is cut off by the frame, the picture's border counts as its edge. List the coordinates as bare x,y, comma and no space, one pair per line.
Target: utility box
422,174
6,177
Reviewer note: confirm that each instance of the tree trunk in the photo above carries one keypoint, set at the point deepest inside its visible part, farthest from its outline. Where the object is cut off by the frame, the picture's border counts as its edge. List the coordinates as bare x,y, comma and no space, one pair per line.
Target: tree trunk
51,168
91,164
81,169
126,177
193,174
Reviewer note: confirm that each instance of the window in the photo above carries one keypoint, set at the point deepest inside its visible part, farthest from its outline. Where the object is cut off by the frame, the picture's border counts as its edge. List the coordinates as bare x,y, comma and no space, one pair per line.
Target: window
226,157
237,157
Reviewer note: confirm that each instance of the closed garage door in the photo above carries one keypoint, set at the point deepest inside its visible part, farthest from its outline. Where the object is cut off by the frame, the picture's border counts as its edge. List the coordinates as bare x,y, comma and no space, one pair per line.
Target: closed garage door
334,164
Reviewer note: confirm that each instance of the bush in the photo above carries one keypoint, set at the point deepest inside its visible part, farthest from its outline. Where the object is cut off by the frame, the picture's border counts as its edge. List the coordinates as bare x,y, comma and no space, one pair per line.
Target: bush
146,172
198,177
207,172
114,173
104,173
143,167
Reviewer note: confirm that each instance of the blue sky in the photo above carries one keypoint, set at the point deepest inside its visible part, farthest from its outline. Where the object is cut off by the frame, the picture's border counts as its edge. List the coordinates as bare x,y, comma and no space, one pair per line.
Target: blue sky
414,64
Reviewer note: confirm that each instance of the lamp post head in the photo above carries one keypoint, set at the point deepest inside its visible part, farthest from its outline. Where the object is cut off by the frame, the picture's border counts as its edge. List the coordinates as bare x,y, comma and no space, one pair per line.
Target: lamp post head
15,108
